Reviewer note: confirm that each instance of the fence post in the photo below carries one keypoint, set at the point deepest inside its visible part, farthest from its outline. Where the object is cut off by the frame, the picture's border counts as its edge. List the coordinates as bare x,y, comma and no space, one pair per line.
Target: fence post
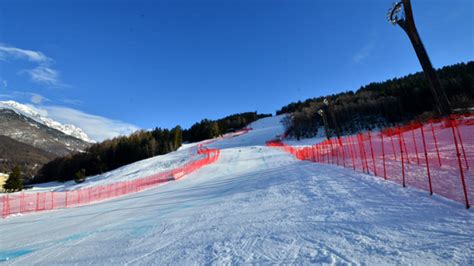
458,154
322,150
336,150
44,196
356,141
317,153
366,162
383,156
324,153
343,153
372,152
37,200
332,151
414,142
401,155
460,141
6,206
393,144
359,142
405,146
314,153
365,154
362,164
426,159
44,200
359,153
22,201
435,142
321,154
326,148
348,141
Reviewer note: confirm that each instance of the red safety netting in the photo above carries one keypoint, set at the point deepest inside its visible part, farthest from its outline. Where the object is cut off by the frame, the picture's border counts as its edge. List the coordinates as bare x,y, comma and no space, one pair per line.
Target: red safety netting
436,156
25,202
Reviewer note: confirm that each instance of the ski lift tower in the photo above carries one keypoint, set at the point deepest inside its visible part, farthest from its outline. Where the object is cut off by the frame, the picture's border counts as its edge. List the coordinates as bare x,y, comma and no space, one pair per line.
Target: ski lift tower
331,111
401,14
325,122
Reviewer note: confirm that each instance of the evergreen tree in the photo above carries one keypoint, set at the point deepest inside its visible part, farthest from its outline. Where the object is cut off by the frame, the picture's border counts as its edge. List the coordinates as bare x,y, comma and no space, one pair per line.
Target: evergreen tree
80,176
14,181
177,133
214,130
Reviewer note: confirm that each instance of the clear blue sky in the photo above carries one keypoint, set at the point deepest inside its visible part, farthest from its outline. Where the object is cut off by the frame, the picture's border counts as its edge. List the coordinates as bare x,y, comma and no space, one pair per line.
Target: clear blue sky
162,63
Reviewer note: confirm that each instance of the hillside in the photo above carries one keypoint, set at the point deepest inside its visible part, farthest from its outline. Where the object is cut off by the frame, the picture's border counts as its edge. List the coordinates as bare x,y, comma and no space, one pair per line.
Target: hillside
31,140
380,104
14,153
25,129
255,205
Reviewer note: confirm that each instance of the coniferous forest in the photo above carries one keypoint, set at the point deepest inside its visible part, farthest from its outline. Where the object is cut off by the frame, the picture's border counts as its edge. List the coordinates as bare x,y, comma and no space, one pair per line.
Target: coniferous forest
111,154
207,129
382,104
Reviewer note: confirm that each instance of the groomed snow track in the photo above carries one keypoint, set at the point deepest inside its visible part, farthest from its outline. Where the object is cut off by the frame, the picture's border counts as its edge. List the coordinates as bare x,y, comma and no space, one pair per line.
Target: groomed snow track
254,205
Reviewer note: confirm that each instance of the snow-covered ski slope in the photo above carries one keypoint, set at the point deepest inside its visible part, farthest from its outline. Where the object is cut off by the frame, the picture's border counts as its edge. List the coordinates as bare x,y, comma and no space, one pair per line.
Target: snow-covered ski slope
147,167
254,205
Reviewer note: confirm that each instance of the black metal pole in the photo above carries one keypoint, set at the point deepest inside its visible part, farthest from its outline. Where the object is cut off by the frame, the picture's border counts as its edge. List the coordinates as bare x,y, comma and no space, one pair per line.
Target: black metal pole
442,104
322,113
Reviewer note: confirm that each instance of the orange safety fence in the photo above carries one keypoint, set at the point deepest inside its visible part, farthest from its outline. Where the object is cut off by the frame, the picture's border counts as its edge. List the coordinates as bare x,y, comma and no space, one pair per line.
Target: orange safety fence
436,156
25,202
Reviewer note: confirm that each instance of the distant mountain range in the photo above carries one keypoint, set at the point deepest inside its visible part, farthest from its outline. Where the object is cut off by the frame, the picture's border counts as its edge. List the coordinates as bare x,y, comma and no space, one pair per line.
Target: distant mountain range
29,112
30,140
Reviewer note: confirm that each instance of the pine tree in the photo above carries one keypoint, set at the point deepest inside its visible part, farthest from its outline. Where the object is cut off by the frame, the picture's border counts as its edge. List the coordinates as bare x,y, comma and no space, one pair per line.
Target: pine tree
177,136
214,130
80,176
14,181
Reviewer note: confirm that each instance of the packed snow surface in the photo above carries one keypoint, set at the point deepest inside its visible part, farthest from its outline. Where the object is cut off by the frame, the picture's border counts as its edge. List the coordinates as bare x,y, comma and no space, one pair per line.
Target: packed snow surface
30,112
129,172
254,205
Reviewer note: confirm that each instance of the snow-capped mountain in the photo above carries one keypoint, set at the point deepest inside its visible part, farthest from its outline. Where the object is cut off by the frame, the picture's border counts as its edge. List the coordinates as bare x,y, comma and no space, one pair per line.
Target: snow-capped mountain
30,112
24,129
30,139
